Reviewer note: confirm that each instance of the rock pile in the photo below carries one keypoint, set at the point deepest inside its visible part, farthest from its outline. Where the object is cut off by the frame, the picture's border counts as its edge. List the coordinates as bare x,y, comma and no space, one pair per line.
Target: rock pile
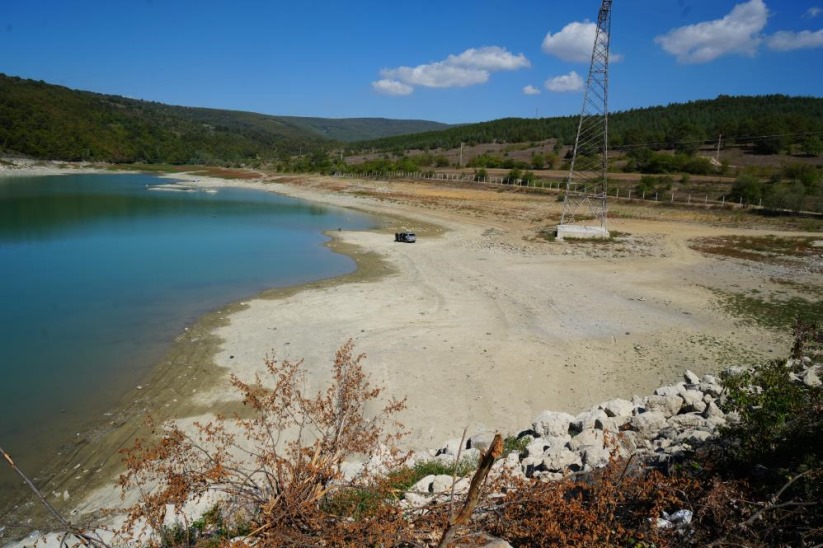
657,428
674,419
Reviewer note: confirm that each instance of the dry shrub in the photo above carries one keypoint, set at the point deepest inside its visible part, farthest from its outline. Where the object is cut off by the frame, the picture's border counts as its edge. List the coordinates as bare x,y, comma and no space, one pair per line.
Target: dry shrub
737,512
610,507
279,464
280,467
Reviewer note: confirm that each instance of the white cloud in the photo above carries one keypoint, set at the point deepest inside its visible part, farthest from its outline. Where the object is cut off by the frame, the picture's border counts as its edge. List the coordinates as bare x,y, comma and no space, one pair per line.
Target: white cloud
392,87
737,32
531,90
568,82
489,58
437,75
812,12
786,40
473,66
574,43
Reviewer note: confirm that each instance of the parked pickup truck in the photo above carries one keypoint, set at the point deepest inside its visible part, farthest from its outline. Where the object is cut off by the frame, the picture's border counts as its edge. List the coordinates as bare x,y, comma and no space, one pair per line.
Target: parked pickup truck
407,237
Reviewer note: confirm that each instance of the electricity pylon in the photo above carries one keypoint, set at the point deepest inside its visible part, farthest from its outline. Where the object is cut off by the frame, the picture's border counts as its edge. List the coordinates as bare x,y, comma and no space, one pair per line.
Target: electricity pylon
587,184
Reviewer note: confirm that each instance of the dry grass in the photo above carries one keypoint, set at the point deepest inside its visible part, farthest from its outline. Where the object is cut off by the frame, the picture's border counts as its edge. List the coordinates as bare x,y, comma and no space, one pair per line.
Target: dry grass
768,249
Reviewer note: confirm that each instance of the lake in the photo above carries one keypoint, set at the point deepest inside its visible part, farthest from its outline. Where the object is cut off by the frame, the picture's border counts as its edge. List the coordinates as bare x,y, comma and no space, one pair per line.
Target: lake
99,274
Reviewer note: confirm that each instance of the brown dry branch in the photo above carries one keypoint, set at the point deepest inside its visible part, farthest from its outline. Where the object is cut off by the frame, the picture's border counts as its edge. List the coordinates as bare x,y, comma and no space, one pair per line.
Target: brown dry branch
68,529
276,467
608,507
454,472
774,502
494,452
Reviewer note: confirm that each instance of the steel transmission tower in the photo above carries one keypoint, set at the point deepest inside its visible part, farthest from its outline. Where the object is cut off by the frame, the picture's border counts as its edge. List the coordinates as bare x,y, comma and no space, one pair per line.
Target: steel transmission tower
587,186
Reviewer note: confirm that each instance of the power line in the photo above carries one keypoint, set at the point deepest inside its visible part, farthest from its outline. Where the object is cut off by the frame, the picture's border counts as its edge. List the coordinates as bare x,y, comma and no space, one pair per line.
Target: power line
746,139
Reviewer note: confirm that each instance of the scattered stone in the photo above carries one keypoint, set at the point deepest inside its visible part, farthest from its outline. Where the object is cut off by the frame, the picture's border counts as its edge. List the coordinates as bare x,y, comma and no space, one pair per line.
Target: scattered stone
667,405
627,443
587,438
441,483
689,421
552,424
416,500
693,437
617,408
537,447
587,420
647,424
710,388
351,470
671,390
811,378
612,424
424,485
559,459
481,441
450,447
595,457
713,411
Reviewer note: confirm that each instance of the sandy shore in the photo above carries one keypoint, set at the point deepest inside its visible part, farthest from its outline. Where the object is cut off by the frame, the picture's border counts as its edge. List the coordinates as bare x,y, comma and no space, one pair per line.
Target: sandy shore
478,329
480,323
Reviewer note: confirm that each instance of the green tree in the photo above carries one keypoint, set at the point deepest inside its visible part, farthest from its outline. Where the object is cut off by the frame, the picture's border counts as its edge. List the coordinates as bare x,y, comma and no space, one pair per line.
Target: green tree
513,177
812,146
771,137
749,188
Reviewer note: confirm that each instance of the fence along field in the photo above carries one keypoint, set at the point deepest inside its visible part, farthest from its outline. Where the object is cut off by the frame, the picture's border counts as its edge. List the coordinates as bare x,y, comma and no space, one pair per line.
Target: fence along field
672,197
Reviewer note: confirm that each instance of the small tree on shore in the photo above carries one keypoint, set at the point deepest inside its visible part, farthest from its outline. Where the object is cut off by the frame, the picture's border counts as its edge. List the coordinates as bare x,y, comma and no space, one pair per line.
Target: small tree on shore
276,466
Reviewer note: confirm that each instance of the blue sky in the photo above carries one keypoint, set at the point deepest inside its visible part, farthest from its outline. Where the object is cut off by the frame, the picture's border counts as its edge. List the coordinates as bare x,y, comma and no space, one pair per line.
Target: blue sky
449,60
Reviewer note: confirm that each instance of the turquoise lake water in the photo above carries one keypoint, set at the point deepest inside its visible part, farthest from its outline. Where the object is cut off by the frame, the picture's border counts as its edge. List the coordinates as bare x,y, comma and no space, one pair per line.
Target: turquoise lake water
98,274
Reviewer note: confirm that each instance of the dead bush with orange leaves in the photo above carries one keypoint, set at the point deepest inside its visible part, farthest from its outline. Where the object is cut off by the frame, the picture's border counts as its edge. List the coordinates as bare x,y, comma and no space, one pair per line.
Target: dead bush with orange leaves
614,506
276,467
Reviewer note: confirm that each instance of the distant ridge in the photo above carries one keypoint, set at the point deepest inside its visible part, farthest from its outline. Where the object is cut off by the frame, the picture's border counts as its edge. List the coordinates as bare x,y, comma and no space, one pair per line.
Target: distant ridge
53,122
768,123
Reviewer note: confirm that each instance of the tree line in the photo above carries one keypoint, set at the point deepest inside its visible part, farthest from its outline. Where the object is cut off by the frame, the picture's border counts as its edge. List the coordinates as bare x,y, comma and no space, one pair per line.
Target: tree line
769,124
52,122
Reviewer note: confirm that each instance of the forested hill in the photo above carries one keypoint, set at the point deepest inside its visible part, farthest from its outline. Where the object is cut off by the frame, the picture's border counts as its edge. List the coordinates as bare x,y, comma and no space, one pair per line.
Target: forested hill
359,129
768,123
53,122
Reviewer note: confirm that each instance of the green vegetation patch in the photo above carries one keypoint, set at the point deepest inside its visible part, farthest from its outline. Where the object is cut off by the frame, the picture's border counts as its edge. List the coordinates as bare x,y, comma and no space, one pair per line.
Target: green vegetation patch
364,501
770,312
810,290
777,418
768,249
514,444
211,529
403,479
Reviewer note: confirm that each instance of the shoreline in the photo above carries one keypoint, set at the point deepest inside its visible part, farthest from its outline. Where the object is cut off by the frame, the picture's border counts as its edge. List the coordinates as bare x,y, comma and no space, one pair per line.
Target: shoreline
472,324
93,462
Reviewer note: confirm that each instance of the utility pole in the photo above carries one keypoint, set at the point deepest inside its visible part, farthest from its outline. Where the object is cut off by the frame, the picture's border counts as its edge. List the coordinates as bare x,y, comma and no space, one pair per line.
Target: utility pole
717,154
587,183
